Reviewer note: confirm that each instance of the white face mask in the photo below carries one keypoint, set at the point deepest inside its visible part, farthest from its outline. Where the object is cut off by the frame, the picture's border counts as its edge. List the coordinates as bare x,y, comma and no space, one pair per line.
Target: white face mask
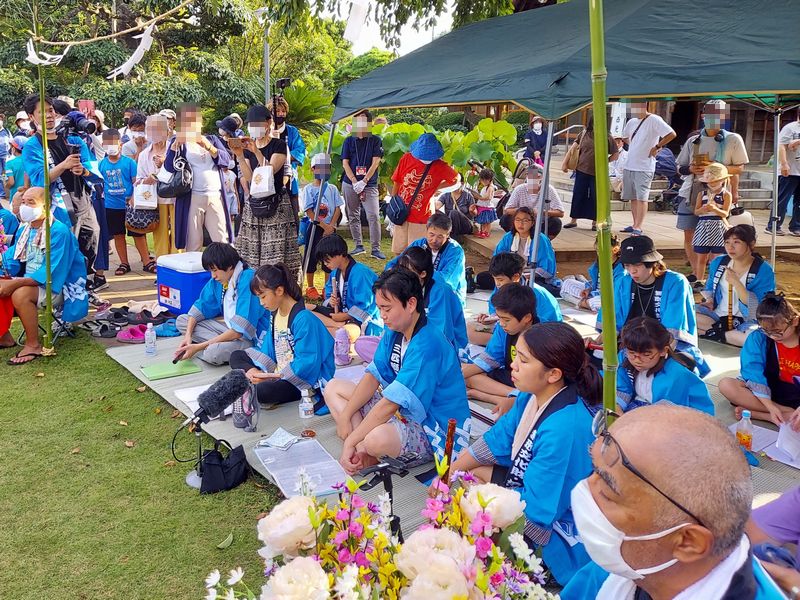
27,213
257,132
537,128
137,134
1,124
25,125
603,541
112,150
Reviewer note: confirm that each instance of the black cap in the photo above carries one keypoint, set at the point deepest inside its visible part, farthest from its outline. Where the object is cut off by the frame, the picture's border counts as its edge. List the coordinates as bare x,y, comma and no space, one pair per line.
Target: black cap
229,125
258,113
639,249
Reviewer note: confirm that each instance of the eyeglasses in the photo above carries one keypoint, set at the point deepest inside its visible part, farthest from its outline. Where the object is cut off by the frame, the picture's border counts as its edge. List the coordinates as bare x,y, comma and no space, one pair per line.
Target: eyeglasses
776,332
649,355
523,221
600,430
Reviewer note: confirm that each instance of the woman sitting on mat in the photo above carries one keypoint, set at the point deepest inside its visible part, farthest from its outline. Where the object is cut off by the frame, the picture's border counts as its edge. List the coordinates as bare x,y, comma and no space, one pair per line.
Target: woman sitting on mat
442,306
519,240
767,385
227,294
651,372
539,446
295,352
737,282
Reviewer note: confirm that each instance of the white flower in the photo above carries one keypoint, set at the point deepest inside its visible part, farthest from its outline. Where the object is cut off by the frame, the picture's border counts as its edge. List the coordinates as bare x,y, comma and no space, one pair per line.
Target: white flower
521,550
304,484
385,506
213,579
230,595
427,548
301,579
212,594
236,576
346,585
440,580
287,529
504,505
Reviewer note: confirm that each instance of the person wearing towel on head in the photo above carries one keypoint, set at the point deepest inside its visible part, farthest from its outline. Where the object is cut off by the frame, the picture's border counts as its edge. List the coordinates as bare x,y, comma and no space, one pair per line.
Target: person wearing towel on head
227,295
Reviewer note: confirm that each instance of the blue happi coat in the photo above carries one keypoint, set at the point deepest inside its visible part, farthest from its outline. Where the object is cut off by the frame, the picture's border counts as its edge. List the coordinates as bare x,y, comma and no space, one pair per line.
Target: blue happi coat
498,353
594,276
450,262
754,362
67,268
547,308
250,316
675,309
751,582
551,461
443,310
760,280
673,383
10,223
311,345
425,383
545,259
358,300
297,149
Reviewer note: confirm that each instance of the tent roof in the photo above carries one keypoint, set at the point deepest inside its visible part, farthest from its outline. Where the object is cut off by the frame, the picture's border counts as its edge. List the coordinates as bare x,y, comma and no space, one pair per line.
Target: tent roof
540,59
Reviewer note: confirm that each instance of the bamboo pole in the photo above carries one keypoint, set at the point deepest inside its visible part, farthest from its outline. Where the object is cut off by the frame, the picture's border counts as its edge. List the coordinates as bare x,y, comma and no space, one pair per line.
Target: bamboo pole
48,317
602,186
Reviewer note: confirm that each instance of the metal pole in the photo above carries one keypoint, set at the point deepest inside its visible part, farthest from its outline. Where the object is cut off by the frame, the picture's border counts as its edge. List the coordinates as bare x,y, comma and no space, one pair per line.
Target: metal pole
776,168
602,186
266,62
313,228
540,216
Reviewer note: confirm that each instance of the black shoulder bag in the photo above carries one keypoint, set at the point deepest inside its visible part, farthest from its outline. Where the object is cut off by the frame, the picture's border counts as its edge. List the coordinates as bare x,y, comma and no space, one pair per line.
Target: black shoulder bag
221,473
398,209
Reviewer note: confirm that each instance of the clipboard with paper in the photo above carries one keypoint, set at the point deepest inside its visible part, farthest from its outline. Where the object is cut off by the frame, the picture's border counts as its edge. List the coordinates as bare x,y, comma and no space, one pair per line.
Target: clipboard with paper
324,471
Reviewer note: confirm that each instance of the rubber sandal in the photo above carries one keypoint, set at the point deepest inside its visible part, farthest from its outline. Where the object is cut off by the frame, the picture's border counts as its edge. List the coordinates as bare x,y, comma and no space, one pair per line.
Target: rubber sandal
132,335
119,317
570,225
167,329
146,317
150,267
106,331
90,326
30,355
122,269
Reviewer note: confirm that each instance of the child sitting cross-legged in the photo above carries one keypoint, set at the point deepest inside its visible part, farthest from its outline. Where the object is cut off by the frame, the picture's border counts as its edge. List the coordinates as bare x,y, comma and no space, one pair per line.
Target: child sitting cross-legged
650,371
488,375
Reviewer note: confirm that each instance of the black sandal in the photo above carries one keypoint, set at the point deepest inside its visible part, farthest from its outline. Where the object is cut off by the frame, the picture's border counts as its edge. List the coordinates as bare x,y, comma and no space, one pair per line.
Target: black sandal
150,267
123,269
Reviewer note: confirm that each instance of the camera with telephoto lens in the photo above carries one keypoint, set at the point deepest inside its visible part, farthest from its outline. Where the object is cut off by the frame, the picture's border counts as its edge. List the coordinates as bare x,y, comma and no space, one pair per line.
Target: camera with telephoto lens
76,123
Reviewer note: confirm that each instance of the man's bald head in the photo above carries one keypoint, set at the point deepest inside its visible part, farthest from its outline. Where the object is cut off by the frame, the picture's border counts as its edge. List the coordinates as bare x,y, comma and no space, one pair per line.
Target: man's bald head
34,196
695,460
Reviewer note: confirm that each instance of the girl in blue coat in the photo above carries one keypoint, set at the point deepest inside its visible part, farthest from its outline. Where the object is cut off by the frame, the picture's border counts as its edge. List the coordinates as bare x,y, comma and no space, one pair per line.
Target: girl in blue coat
651,372
539,447
349,294
651,290
519,241
295,351
767,385
739,275
442,306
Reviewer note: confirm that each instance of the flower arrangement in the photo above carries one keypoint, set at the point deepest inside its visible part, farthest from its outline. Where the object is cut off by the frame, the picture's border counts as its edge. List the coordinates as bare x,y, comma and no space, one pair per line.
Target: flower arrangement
470,548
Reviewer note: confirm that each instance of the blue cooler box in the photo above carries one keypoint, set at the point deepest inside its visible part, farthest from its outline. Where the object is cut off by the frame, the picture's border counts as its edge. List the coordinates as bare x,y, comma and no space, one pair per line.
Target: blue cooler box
180,279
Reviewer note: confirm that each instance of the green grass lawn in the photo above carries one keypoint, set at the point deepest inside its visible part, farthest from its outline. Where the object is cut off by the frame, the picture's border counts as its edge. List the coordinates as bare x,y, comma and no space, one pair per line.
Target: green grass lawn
88,517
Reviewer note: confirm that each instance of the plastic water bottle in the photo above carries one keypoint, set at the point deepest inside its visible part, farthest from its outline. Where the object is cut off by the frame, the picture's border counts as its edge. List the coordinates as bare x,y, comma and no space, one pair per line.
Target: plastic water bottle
744,431
150,341
306,405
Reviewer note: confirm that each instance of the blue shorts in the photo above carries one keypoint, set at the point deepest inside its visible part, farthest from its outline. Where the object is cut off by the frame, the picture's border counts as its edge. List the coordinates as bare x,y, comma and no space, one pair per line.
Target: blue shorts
709,249
744,326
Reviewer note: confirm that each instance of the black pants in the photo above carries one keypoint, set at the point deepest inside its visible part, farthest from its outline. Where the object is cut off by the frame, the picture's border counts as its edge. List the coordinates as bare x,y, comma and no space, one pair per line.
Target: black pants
462,225
267,392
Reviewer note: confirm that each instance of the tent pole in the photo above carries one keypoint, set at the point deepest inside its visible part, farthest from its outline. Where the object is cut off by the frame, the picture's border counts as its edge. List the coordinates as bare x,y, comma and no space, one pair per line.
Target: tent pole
775,173
540,213
313,230
602,187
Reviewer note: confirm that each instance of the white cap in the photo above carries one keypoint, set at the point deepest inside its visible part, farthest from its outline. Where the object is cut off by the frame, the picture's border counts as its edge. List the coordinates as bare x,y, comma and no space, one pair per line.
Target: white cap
170,114
320,159
21,116
719,104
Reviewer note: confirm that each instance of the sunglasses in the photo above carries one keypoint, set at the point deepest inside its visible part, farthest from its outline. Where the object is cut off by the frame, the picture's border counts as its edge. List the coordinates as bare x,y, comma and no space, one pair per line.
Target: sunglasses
600,430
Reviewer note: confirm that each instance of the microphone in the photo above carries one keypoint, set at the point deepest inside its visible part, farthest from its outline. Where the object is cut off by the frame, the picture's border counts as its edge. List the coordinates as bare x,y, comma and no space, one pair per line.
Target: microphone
219,396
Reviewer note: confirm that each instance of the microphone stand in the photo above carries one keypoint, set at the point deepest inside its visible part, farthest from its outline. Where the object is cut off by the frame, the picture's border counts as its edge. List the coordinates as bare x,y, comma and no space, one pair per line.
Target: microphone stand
194,478
382,473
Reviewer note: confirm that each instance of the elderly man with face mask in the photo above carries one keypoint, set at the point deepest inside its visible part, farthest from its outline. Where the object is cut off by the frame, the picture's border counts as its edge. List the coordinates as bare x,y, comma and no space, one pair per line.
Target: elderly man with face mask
663,515
527,194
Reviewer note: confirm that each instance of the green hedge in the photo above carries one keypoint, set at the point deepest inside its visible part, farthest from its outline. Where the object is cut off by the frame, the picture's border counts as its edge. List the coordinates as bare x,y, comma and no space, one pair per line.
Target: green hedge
518,117
447,121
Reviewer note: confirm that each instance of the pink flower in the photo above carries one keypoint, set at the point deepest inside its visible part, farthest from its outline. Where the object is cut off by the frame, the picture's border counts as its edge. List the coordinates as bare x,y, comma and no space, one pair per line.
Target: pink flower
483,546
471,573
482,524
441,486
344,556
357,502
357,529
361,559
343,515
497,579
434,508
341,537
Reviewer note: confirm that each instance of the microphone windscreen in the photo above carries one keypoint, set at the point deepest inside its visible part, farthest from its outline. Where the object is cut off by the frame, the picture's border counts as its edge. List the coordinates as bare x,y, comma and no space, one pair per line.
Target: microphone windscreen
223,393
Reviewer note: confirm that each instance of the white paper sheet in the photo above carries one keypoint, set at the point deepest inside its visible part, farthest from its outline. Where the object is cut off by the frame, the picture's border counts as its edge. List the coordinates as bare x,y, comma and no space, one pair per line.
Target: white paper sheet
323,470
189,397
581,316
762,437
789,442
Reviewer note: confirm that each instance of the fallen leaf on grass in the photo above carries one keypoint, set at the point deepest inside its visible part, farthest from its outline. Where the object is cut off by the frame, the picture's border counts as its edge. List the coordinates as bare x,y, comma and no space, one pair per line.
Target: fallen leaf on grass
260,486
75,450
157,410
176,413
141,388
170,463
226,542
261,515
40,374
108,408
123,423
130,443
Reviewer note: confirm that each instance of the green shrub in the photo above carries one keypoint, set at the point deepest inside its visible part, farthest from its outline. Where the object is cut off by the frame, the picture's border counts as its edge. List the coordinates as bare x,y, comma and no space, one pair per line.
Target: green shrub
518,117
447,121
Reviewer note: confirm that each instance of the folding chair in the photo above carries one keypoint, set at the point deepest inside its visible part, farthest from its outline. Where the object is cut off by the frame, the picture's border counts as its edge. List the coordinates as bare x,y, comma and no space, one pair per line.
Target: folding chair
60,327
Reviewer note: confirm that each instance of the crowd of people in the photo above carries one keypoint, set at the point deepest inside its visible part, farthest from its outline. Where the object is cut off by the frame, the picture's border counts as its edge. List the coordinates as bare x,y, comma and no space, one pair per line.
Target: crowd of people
610,523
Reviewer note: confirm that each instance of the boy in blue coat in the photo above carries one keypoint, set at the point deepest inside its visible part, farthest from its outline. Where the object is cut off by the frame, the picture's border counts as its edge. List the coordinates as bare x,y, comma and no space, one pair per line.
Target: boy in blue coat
488,375
415,368
228,295
350,298
663,515
448,255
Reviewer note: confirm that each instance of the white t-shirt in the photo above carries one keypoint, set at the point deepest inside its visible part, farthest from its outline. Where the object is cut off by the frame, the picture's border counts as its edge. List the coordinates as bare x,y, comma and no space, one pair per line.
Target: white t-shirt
522,197
733,153
643,385
651,131
790,132
204,176
130,148
615,167
145,167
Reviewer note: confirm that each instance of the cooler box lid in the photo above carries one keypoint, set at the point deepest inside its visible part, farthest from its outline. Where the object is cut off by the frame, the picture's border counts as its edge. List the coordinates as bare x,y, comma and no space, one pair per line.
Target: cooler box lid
185,262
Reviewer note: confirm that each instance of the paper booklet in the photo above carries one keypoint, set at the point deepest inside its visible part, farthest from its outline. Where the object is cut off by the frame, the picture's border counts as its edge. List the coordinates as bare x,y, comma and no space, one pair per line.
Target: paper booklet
776,445
323,470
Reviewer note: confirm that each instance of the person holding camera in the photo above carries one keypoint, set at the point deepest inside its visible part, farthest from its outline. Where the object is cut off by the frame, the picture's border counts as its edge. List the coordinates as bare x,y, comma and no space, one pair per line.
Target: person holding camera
291,135
69,163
